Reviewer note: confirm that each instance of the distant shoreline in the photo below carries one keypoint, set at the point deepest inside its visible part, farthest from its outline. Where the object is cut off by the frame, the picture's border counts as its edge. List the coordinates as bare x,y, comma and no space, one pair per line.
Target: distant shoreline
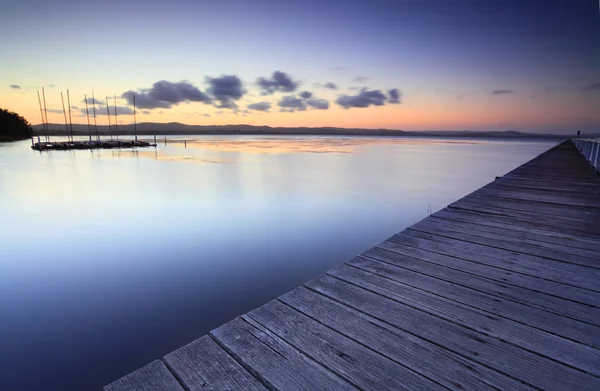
177,129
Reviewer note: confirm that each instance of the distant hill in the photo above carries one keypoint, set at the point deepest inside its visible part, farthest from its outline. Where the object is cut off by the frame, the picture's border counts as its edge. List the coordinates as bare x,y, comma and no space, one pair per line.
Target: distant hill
176,128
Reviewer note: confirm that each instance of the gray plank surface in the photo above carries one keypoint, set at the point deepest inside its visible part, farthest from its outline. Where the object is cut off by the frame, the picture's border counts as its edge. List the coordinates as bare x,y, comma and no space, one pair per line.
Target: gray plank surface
203,365
501,290
153,377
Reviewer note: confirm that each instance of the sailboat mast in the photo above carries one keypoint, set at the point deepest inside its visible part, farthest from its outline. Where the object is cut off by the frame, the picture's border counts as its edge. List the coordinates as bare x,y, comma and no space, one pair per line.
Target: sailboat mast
70,121
108,113
134,121
95,123
46,111
88,118
42,113
64,112
116,119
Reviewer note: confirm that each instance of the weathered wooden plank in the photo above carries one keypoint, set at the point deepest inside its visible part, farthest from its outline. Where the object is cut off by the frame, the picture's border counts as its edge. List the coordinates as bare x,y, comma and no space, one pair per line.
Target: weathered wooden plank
513,243
202,365
274,362
515,289
520,227
529,338
353,362
564,273
574,209
500,236
546,221
551,199
153,377
430,360
520,364
531,316
581,216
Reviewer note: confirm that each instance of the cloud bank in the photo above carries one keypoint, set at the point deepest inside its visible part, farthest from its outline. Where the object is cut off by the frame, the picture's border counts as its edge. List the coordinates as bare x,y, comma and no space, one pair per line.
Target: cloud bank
502,92
279,81
15,86
364,98
260,106
226,89
165,94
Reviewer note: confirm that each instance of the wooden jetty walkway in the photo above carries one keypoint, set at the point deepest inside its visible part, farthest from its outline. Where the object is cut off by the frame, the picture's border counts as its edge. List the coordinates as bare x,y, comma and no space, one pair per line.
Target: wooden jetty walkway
500,290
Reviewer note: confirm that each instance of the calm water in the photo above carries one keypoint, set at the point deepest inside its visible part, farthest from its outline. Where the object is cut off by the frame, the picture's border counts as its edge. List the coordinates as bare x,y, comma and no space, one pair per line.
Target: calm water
111,259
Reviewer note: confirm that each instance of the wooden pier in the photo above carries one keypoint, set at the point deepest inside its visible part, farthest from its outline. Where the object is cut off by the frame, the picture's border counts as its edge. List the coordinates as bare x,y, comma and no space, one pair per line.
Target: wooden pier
500,290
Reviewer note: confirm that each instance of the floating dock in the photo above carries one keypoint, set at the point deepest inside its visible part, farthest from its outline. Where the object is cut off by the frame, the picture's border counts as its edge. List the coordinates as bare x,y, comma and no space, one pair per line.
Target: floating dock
103,144
500,290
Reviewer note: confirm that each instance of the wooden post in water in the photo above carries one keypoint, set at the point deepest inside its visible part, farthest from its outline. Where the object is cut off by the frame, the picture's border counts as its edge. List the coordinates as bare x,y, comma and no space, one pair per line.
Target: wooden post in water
116,119
46,113
88,119
70,121
154,141
165,140
95,123
185,143
108,113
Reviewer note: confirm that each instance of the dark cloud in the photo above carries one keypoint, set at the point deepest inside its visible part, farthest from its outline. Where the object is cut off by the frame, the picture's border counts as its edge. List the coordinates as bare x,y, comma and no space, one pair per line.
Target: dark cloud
51,85
74,107
15,86
502,92
56,111
92,101
330,85
306,94
394,96
290,104
146,111
206,115
320,104
364,98
360,79
592,87
260,106
164,94
279,81
226,89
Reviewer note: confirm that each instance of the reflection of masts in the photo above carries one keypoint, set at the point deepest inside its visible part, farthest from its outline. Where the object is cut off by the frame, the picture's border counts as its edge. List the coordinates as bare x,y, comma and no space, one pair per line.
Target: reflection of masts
87,112
116,119
42,113
46,112
108,113
95,123
64,112
70,122
134,121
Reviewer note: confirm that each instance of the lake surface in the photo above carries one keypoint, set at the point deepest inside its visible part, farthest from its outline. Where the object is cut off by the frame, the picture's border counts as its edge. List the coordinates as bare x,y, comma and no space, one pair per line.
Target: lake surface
113,258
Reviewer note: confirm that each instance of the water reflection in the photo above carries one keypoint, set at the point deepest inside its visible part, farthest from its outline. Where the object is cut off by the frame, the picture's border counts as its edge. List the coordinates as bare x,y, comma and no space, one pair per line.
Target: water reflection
113,258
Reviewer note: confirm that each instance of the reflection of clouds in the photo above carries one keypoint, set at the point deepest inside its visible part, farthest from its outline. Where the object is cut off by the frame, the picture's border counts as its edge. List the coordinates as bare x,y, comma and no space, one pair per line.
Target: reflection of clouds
281,145
156,155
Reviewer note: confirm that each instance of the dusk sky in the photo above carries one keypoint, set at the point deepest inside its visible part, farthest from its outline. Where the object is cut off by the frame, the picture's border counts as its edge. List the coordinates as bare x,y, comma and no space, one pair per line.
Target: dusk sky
526,65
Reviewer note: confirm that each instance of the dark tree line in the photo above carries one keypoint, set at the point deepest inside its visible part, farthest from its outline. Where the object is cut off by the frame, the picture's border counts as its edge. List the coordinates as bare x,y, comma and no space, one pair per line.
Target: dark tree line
13,126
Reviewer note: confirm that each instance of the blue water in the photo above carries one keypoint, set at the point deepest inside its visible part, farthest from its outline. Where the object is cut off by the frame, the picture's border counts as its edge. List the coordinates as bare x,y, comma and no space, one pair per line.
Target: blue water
110,259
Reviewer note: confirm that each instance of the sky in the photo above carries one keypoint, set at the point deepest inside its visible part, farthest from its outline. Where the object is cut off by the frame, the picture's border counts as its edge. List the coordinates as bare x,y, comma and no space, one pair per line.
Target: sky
525,65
